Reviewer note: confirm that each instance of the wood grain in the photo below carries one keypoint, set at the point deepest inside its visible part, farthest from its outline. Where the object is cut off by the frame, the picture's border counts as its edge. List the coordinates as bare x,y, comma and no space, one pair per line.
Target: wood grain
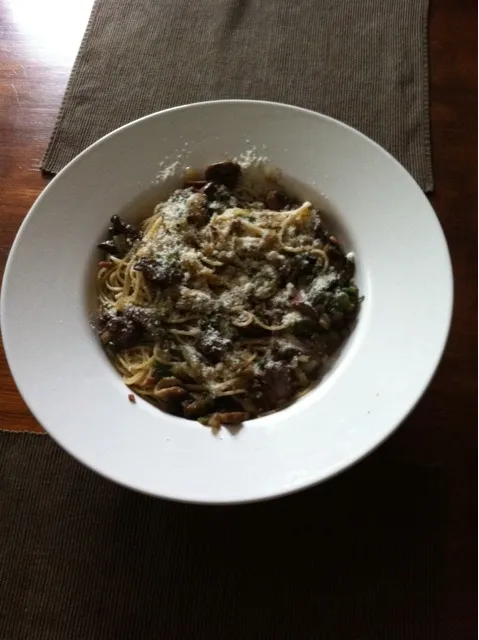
38,44
37,49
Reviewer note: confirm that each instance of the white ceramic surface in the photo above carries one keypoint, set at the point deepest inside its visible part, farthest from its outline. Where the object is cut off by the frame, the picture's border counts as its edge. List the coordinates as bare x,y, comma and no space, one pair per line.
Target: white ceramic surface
404,272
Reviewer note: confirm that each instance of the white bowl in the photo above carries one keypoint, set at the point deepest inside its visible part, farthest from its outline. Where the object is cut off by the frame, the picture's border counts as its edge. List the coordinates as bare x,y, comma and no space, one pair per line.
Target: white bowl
403,270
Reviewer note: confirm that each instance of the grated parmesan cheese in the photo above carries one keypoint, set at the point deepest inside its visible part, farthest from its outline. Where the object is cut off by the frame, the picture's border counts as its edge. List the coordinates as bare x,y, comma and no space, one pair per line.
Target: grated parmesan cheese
321,283
292,318
167,171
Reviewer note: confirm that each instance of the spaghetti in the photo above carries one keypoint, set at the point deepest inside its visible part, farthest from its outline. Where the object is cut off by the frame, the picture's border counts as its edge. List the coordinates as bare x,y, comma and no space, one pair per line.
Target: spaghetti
228,300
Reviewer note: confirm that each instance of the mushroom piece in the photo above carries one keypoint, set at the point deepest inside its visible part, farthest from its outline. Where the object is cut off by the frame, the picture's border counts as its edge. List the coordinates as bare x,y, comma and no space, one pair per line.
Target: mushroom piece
108,246
277,383
122,237
277,200
197,408
121,332
227,173
161,272
213,345
168,383
227,419
172,394
120,227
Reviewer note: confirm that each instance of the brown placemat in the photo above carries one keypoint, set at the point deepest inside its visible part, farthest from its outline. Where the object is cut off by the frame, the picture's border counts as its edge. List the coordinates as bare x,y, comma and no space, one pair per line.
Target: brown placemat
362,61
358,557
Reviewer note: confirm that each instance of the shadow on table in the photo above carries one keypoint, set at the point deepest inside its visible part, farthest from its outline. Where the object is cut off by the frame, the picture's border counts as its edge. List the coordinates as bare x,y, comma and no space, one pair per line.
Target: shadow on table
356,557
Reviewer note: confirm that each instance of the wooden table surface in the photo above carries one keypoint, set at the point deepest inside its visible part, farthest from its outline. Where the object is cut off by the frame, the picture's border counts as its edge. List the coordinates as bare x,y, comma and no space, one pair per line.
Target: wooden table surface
38,43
